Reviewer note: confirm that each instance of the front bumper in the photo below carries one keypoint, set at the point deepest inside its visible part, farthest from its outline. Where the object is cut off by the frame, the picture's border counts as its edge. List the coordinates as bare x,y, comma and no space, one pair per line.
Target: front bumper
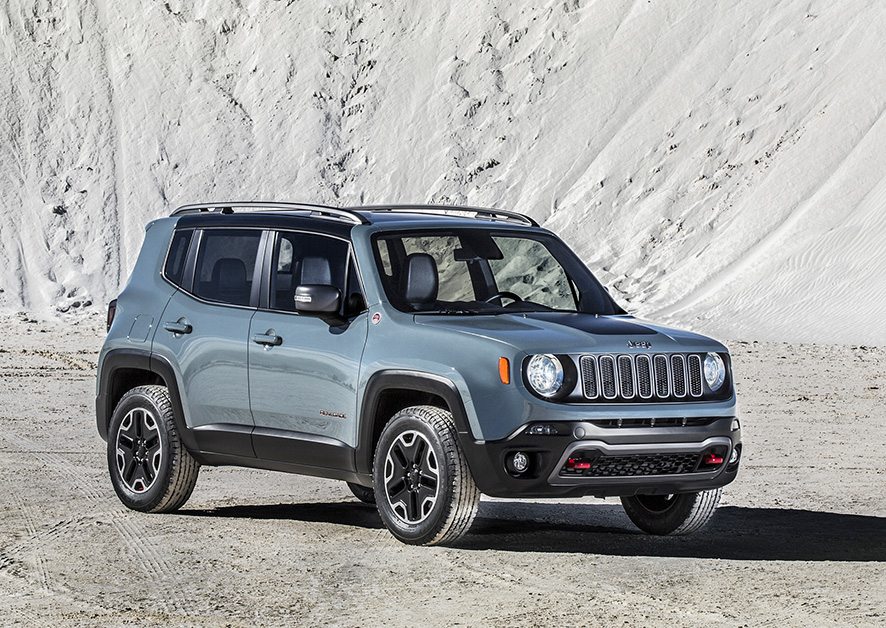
549,454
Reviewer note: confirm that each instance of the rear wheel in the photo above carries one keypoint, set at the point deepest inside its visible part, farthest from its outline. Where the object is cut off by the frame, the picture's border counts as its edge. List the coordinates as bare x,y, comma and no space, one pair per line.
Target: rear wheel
150,469
425,492
678,514
364,493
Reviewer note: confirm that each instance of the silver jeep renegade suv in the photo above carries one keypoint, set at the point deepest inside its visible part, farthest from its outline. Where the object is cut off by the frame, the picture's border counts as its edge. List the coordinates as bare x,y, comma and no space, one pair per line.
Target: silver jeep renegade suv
422,354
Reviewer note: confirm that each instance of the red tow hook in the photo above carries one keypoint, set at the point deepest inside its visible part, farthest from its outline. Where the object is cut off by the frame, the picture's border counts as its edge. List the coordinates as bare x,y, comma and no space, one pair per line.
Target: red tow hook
578,465
712,459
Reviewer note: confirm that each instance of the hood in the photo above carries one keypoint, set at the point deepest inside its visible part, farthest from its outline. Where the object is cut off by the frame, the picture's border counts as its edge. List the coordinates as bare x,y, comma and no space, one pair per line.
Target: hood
568,332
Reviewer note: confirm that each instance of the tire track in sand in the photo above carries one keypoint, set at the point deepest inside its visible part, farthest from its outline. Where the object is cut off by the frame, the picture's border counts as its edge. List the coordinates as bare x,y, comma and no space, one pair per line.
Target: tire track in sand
134,535
38,565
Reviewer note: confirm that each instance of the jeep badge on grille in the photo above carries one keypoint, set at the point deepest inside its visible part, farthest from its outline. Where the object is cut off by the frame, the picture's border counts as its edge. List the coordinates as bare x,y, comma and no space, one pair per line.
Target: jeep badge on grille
639,344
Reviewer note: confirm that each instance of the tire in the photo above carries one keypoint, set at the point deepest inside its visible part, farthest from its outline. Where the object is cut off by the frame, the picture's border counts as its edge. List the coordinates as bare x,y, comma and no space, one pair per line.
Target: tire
432,498
150,469
364,493
674,515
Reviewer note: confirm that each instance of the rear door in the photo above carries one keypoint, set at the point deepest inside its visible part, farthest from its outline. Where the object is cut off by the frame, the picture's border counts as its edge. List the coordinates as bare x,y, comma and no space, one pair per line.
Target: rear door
204,330
303,381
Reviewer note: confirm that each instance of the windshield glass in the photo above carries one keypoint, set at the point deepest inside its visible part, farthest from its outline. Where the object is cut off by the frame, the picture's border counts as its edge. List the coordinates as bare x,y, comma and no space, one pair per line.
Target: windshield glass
480,271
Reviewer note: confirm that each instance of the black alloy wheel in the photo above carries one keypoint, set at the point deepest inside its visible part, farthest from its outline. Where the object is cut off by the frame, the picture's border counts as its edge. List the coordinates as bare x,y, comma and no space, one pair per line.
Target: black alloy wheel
412,477
139,451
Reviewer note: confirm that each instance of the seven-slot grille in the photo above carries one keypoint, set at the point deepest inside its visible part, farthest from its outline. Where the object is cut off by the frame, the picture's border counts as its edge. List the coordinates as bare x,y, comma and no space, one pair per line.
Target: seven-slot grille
642,376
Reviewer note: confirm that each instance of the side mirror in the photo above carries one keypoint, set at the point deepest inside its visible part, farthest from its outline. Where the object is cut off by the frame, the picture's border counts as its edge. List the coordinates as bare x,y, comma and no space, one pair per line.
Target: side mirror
317,299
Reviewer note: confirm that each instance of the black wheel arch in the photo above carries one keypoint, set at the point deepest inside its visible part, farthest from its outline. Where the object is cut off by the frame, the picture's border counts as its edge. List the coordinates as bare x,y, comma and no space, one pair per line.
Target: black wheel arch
388,392
124,369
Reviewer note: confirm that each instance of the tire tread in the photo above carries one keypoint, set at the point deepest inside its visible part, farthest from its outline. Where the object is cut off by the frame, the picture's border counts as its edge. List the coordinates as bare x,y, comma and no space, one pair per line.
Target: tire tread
702,511
697,514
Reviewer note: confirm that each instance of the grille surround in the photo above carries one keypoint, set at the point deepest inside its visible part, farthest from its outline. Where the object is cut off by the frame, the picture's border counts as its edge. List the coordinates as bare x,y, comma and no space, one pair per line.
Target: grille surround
642,377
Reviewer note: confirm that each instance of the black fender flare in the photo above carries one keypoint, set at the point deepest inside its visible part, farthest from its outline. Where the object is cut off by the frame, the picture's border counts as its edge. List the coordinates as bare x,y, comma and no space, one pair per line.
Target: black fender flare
145,361
417,381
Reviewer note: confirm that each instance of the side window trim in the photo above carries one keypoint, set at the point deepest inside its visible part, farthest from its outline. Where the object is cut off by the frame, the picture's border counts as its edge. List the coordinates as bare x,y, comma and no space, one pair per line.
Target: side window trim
352,263
191,262
267,267
258,269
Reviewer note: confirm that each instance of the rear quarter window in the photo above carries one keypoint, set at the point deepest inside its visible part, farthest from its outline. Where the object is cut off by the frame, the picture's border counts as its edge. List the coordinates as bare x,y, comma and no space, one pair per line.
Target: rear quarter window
178,254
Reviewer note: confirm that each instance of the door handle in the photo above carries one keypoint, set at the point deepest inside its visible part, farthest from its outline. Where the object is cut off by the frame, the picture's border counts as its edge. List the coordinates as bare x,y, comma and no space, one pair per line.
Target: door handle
178,327
268,340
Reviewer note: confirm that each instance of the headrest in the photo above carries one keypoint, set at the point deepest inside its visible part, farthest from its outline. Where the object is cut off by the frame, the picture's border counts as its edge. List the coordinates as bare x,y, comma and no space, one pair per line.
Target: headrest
229,272
420,282
315,270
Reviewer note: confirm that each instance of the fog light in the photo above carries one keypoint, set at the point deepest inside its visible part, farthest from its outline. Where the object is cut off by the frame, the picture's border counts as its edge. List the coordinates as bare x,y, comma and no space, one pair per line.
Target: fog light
541,430
733,457
735,425
518,462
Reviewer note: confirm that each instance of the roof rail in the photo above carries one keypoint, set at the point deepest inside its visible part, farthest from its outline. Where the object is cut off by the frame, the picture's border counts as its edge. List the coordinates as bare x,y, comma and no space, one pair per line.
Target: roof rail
320,211
479,212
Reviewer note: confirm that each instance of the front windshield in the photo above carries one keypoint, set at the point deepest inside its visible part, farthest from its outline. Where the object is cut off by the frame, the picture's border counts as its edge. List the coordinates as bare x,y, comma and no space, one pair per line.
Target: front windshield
479,271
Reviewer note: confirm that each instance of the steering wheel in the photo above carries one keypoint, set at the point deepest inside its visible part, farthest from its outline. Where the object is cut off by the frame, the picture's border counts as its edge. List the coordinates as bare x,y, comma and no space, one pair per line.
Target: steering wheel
503,295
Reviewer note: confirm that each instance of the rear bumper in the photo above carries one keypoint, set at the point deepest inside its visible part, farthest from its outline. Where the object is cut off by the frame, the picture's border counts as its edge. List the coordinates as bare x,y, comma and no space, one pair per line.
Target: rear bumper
549,453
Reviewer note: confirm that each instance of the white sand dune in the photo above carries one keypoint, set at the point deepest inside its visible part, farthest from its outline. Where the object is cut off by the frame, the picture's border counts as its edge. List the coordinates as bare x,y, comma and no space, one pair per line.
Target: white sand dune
718,164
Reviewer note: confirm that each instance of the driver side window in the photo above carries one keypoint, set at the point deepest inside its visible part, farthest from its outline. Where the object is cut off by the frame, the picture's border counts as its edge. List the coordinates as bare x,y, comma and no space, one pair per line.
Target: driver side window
311,259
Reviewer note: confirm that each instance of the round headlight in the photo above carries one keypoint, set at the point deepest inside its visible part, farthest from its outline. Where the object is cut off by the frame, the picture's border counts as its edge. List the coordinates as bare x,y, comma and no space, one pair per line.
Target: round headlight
714,371
545,374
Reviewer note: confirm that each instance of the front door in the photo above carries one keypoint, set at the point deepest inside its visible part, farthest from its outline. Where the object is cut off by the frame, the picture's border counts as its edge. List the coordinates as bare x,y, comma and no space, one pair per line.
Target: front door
303,369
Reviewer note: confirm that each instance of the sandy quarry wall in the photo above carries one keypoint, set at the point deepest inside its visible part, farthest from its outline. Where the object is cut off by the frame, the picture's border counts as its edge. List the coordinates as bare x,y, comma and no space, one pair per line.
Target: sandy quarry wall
718,164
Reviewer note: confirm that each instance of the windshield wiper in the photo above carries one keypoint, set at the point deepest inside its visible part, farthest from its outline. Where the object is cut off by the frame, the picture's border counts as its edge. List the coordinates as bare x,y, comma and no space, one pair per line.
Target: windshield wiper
523,308
460,311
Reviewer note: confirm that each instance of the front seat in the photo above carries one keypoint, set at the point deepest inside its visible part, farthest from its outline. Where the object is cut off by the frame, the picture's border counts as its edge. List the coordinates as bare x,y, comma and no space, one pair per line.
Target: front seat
315,270
419,282
229,283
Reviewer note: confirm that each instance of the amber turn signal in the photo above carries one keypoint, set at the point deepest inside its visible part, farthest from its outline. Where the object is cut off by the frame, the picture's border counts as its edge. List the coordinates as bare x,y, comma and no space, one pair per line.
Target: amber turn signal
504,370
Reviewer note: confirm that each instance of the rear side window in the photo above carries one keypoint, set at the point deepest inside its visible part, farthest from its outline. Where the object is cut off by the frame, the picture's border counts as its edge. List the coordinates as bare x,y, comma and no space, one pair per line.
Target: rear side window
225,265
178,255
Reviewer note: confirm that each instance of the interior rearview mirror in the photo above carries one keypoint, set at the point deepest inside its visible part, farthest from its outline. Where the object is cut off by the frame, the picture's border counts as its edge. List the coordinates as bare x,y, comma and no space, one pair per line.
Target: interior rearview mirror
317,299
477,247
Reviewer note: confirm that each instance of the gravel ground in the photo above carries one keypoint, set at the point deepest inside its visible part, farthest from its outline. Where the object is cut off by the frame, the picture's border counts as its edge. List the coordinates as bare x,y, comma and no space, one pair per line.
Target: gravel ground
800,537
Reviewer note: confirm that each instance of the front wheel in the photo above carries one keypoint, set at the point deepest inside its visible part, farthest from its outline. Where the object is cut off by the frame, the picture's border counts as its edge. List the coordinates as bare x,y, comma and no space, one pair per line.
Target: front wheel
424,490
679,514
